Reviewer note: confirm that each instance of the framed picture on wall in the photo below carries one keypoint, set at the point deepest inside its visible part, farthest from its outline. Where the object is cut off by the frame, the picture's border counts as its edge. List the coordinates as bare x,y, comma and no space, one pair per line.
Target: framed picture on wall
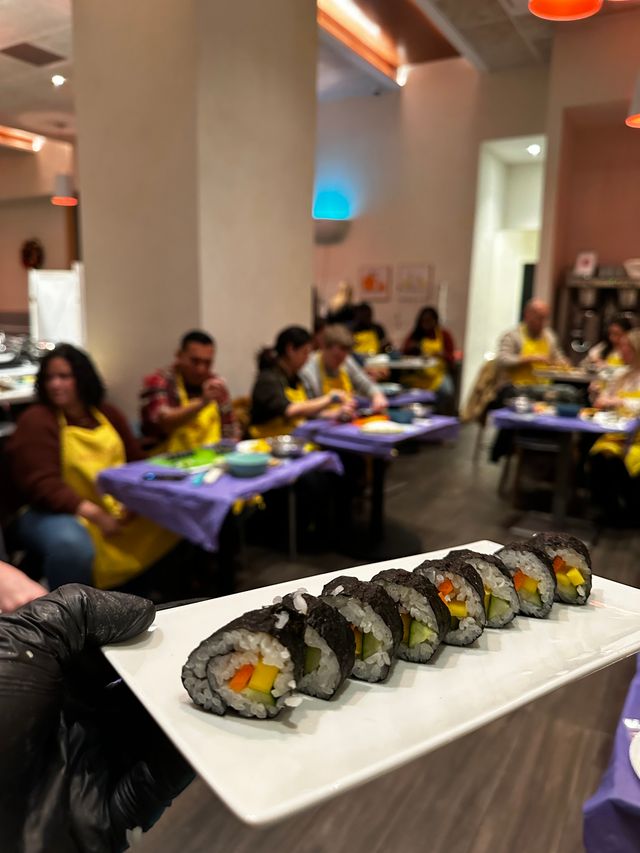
414,282
585,265
375,283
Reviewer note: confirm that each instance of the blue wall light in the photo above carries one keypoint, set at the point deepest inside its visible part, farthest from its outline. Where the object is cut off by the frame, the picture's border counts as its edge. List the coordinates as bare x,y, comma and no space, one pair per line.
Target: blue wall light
331,204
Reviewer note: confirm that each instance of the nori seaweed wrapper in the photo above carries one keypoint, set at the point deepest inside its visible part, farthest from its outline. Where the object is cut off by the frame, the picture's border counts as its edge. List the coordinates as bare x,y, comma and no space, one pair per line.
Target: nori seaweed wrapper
464,554
291,636
423,586
562,540
331,626
376,597
467,572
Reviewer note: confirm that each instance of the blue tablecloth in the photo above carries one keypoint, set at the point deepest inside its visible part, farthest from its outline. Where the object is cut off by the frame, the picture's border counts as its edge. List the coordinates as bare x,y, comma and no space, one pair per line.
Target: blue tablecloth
198,512
612,815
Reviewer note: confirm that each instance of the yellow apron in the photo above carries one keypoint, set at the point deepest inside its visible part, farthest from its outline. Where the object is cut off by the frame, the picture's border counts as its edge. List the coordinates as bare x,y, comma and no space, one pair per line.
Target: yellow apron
615,444
523,374
339,382
203,428
366,342
84,454
281,425
430,378
614,359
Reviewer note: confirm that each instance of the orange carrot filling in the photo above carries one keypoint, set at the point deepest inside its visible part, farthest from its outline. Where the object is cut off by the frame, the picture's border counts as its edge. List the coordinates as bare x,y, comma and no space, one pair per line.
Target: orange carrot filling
242,677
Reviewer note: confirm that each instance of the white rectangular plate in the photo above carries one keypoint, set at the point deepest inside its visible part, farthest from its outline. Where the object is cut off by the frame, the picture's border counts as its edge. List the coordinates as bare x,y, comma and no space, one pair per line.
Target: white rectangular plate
265,770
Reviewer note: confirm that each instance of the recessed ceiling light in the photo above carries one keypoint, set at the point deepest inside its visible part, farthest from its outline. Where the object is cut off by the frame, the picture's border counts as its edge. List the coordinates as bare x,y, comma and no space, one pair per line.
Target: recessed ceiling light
37,143
58,80
534,149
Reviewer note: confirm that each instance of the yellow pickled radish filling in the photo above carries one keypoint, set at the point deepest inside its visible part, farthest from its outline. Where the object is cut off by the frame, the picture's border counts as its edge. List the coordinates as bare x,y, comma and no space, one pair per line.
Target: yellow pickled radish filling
260,676
487,599
458,609
567,575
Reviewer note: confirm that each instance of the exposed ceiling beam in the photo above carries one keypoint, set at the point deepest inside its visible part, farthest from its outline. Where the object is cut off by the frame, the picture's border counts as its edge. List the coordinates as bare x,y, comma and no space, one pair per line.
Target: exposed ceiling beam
452,34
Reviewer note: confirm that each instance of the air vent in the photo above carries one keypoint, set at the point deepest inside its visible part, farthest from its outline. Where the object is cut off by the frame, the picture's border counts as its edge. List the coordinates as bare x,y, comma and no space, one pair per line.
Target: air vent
30,53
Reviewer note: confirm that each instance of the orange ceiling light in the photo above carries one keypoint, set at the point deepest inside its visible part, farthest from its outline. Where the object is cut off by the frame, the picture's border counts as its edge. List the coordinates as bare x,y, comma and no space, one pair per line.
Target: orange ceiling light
564,10
348,23
63,192
20,140
633,116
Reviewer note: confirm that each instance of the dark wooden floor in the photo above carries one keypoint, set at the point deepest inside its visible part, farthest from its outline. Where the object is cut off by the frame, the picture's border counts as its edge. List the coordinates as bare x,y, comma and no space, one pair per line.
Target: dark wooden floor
515,785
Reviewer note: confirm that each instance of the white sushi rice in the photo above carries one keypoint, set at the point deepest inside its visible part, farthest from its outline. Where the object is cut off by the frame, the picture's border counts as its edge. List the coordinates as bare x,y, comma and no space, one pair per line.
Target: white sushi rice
217,663
469,628
531,565
324,680
498,585
420,609
364,617
575,559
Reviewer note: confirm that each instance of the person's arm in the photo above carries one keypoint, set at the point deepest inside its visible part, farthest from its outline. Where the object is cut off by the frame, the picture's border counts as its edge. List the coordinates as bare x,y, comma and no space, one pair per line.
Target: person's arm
82,762
16,588
159,413
448,347
34,460
509,349
382,336
411,346
229,425
362,384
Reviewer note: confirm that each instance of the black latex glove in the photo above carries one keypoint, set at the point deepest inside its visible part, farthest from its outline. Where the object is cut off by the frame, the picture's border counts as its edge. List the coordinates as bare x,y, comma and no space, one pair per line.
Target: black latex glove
81,762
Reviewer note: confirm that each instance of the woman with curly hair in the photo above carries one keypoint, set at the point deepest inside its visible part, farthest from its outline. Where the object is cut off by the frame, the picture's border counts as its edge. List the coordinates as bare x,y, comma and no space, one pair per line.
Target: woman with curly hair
60,446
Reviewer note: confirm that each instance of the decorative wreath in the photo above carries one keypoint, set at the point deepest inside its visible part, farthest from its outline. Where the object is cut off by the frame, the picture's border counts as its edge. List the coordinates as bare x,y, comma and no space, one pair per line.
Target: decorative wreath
32,254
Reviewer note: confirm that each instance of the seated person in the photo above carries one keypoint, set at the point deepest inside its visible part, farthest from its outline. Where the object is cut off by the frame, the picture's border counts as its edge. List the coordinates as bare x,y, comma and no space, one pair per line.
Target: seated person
607,352
529,347
279,400
614,462
333,369
369,338
186,405
59,447
431,341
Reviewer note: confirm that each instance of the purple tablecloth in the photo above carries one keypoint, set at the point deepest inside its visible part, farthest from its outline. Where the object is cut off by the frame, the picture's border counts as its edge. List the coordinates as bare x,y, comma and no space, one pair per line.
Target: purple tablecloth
198,512
405,398
612,815
352,438
506,419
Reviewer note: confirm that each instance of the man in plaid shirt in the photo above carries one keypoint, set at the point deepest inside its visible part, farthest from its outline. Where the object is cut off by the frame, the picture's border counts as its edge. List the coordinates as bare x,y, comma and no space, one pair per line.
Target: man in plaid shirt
176,402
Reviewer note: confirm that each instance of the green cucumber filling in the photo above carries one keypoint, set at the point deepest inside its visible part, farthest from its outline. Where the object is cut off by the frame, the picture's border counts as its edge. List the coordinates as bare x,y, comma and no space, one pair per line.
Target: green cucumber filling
312,657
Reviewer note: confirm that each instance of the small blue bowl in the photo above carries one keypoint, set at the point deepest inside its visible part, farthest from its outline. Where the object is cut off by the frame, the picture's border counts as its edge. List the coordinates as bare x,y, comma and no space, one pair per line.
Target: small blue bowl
401,416
247,464
568,410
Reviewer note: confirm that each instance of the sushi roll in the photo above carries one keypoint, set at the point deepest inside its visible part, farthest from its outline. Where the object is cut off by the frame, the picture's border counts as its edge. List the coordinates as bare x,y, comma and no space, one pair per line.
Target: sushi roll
329,645
460,588
571,562
425,618
251,665
500,597
375,621
533,577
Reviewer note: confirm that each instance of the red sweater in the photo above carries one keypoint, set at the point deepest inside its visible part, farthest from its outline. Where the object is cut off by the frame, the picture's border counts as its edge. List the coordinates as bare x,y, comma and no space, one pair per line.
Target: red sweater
35,458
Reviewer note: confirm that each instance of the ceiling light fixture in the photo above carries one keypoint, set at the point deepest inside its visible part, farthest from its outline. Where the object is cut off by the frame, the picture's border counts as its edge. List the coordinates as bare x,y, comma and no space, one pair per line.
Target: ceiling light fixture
633,116
402,75
63,192
357,15
564,10
534,149
58,80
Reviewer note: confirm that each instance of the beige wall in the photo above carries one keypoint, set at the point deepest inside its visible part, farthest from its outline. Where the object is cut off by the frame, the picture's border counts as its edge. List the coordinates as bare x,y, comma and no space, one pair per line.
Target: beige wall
412,160
25,219
196,167
26,185
595,63
255,173
136,114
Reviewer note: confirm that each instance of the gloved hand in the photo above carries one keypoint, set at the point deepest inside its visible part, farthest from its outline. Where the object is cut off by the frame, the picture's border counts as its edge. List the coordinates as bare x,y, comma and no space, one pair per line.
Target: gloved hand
81,762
